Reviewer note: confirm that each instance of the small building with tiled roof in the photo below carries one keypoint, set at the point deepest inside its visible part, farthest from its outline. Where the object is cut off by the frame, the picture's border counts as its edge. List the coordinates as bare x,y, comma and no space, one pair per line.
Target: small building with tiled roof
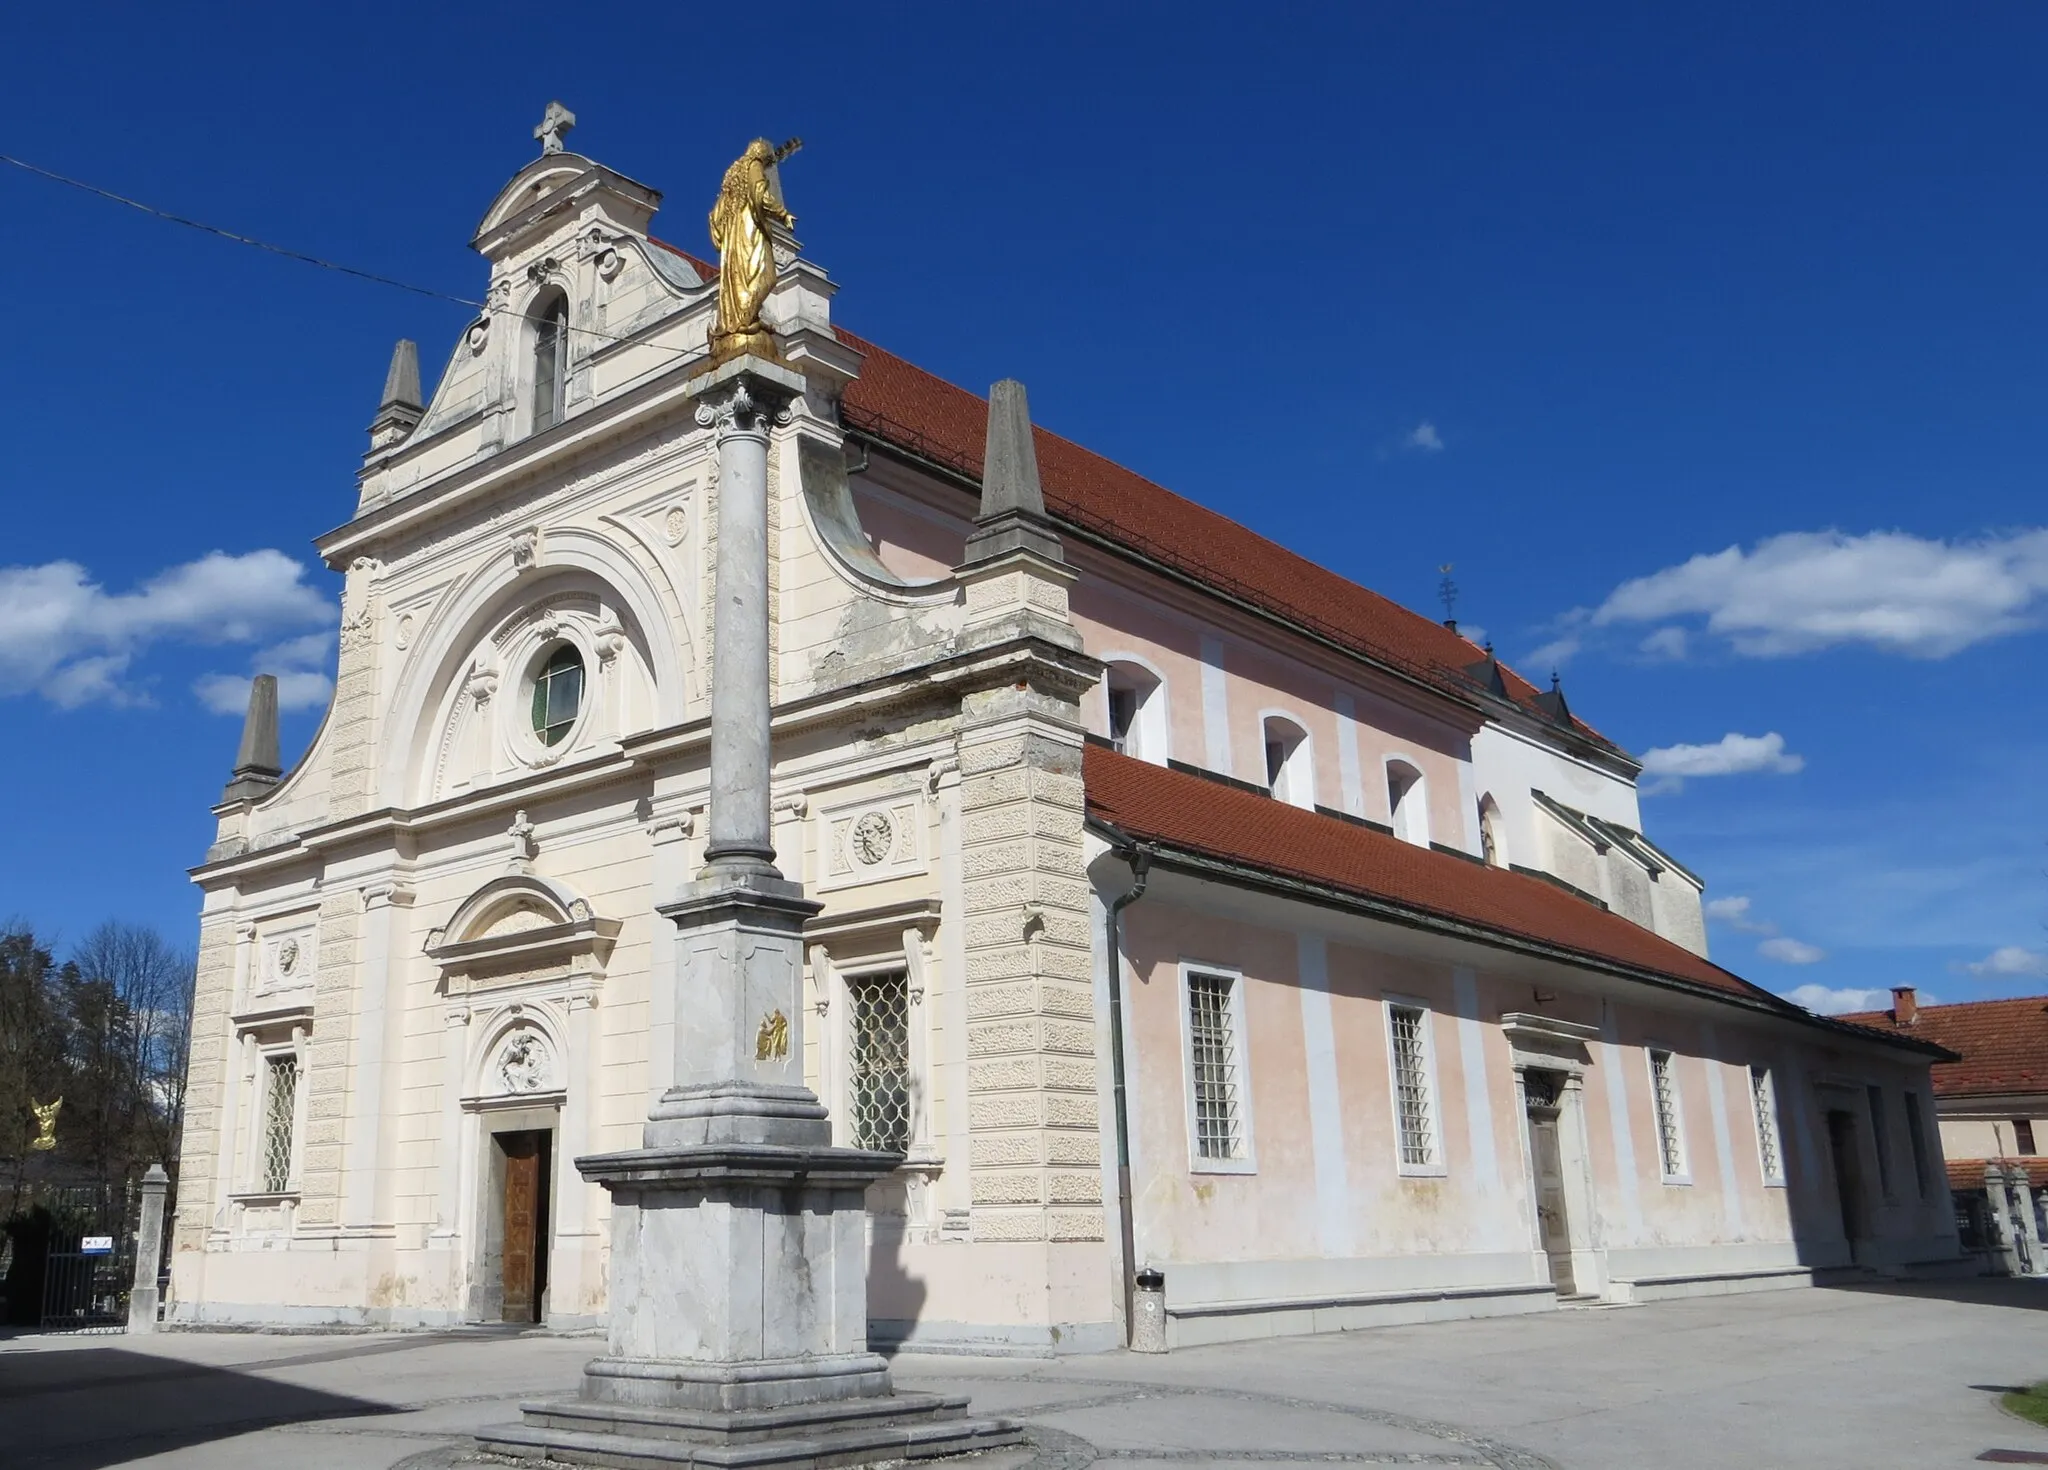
1190,918
1992,1105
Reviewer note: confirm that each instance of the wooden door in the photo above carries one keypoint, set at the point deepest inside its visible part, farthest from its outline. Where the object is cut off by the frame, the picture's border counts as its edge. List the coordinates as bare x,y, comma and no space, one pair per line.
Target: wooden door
1552,1222
1848,1175
525,1204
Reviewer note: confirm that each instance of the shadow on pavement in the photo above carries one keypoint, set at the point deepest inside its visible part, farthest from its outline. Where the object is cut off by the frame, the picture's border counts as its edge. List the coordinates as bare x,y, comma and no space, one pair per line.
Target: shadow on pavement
92,1407
2026,1293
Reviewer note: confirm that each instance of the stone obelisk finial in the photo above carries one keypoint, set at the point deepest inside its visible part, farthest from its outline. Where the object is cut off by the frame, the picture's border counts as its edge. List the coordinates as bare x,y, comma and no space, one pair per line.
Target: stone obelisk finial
1012,515
257,766
401,408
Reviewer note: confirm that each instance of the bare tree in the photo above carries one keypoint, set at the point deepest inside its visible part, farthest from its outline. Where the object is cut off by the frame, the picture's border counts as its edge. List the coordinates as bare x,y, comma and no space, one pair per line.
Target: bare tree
131,1027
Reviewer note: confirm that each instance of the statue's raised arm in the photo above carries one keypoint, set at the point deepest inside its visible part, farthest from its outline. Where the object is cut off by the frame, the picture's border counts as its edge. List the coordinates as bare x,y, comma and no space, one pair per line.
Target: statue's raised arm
748,202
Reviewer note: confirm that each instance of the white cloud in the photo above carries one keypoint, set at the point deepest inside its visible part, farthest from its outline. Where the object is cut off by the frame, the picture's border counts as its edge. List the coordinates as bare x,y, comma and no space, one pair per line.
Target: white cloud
1788,951
1423,437
1666,643
1840,1002
2011,960
1734,912
66,637
302,679
1552,655
1805,591
1731,755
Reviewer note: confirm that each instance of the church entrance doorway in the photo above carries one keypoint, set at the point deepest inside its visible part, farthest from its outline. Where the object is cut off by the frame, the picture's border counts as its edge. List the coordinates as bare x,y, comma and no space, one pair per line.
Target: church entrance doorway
1545,1091
522,1221
1848,1162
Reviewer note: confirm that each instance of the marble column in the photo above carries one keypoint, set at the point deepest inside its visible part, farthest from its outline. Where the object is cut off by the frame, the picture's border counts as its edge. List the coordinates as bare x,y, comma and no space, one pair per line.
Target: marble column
738,1273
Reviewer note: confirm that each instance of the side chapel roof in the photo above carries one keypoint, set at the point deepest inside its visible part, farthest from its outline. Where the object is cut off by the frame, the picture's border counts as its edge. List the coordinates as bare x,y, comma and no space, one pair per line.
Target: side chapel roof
1181,812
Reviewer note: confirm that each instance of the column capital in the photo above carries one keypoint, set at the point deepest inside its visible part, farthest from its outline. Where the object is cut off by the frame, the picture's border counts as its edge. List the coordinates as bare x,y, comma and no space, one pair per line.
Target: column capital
745,395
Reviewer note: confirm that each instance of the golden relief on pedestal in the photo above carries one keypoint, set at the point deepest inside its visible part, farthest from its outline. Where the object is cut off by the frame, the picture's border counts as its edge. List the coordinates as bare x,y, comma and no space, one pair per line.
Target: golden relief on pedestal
749,201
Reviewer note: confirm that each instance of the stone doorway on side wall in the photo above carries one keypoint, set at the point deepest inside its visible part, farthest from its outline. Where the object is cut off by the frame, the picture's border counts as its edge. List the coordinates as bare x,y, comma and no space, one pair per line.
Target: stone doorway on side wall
1847,1159
1545,1093
517,1244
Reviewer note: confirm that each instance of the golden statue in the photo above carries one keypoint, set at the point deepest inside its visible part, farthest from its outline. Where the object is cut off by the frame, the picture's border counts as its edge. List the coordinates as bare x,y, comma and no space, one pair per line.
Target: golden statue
771,1042
749,200
46,1123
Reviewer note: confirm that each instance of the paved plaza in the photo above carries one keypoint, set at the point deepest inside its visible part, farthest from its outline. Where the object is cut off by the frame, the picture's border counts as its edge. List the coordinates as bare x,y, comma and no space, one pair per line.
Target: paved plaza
1897,1376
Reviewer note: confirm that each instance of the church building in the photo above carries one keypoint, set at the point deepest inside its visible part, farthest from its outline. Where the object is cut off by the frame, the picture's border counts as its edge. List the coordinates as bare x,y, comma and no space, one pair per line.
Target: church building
1193,921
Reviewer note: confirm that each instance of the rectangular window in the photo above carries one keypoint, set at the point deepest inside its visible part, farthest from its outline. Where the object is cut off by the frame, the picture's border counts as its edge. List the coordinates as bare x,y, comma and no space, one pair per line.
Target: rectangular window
1414,1107
1880,1138
1769,1149
1670,1137
2023,1137
879,1087
1916,1130
1213,1066
280,1107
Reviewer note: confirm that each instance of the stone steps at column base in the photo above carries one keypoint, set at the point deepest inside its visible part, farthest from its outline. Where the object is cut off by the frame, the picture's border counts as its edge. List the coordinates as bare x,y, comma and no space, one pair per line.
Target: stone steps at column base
801,1437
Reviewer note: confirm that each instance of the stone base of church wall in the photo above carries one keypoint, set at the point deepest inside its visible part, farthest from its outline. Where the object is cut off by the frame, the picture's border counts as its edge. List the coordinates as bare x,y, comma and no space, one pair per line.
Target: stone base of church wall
1228,1301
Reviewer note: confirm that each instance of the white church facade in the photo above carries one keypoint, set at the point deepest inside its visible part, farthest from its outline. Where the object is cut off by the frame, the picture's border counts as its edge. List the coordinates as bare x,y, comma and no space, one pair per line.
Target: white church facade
1189,913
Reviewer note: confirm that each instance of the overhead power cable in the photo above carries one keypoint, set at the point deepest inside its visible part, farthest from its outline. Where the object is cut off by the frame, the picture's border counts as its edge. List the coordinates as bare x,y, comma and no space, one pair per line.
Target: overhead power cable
315,260
201,225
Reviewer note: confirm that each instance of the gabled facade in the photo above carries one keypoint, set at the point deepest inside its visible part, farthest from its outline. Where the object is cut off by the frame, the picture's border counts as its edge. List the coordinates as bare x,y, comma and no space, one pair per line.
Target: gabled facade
1185,905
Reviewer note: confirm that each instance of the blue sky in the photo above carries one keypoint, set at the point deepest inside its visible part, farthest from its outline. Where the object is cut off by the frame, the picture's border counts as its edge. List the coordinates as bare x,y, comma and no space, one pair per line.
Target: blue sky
1706,342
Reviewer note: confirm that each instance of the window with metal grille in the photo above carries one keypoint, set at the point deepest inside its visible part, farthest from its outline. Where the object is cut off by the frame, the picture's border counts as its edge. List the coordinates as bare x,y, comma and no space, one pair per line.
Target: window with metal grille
1916,1131
280,1106
1765,1098
879,1088
1880,1138
1670,1141
1212,1043
1414,1116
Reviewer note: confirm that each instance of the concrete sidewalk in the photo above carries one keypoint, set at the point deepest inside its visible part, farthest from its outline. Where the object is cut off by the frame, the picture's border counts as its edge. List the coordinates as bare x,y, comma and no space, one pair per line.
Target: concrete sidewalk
1817,1378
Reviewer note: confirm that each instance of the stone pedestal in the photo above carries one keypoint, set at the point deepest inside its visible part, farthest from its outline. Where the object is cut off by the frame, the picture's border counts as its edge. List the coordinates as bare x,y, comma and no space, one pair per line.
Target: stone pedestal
739,1234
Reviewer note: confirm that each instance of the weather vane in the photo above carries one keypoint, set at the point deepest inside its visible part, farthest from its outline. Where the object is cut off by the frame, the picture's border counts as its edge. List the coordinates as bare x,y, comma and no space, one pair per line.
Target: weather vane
1447,594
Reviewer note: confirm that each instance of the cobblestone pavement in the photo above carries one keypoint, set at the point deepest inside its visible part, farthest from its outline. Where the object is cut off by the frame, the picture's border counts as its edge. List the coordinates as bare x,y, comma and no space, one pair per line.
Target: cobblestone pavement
1822,1378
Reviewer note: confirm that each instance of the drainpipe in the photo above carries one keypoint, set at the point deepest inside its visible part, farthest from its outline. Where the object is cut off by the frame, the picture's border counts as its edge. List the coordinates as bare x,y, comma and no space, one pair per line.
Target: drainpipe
1140,860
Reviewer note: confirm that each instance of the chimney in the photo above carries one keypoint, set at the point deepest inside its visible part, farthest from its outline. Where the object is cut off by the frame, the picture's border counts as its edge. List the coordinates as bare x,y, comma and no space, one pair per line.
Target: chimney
400,410
1012,516
257,766
1905,1005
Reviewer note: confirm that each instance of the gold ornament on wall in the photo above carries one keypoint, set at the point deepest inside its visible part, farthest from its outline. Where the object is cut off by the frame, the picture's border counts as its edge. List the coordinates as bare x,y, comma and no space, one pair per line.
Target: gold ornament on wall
771,1042
46,1123
749,201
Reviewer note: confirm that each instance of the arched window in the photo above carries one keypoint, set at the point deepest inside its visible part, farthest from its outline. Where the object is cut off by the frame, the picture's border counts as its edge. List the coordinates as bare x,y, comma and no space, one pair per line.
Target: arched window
1289,775
1408,800
550,359
558,695
1137,711
1492,839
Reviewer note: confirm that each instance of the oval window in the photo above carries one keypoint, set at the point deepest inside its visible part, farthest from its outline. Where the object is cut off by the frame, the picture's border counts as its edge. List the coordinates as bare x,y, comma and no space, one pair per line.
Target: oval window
557,695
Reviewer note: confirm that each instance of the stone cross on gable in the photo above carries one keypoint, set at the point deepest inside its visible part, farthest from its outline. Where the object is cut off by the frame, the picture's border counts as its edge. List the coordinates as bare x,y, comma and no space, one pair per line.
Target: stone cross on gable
554,127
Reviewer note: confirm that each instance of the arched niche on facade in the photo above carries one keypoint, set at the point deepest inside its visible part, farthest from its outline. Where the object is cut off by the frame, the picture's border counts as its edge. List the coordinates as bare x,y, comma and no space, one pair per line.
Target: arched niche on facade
463,708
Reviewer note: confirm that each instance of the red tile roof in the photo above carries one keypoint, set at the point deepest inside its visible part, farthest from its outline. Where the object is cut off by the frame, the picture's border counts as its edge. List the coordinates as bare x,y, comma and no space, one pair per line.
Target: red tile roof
1969,1173
1195,814
2003,1044
1183,812
918,411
